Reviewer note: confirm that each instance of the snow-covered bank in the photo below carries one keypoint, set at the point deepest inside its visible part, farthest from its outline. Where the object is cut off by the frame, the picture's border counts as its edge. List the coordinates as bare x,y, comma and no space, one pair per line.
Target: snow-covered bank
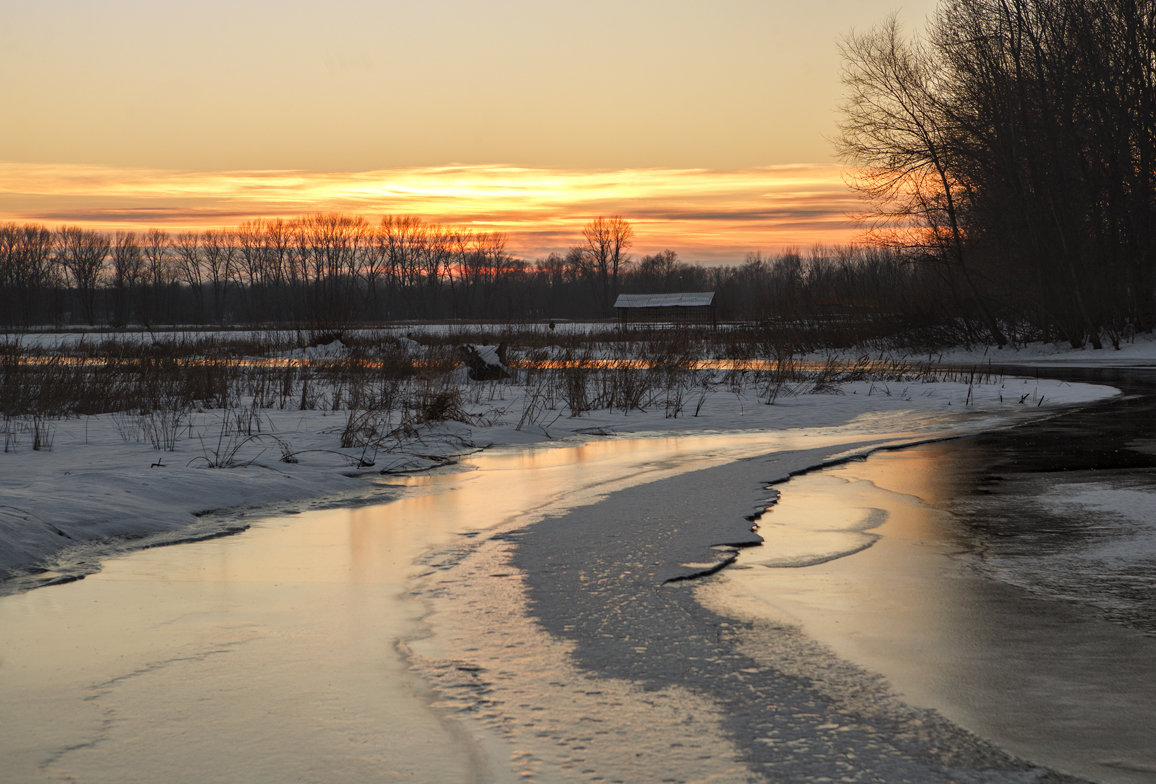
1139,352
102,481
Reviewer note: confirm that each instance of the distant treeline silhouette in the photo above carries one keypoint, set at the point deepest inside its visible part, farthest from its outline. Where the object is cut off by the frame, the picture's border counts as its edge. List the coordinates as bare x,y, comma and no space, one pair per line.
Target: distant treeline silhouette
329,271
1015,146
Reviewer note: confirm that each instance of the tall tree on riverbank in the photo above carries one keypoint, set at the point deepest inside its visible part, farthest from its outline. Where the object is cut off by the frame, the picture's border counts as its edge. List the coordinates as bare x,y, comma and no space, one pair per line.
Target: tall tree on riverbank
1016,143
897,129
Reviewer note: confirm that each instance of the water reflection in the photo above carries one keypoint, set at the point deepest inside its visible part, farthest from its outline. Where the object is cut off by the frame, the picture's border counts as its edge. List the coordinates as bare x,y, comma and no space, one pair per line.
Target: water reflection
913,369
289,653
273,655
1048,679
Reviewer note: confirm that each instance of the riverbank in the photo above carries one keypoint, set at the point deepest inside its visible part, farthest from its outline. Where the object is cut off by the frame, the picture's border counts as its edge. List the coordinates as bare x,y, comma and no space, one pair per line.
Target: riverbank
309,648
97,486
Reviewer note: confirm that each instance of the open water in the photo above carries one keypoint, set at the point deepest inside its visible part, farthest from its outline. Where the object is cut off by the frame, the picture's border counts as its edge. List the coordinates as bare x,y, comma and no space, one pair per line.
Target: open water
976,610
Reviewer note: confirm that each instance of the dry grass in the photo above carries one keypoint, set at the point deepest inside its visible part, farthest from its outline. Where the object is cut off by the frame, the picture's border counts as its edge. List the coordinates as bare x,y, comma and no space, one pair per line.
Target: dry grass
392,390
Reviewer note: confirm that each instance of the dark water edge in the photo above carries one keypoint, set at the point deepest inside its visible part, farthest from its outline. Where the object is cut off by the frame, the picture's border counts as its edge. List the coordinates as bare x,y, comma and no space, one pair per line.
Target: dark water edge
1013,507
814,716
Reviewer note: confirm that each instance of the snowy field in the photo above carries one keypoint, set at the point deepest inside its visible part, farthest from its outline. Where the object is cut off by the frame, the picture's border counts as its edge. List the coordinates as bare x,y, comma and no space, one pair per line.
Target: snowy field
1140,349
99,479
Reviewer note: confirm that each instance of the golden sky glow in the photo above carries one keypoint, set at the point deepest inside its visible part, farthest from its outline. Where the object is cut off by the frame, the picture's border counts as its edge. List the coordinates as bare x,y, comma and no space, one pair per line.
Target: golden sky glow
709,125
704,215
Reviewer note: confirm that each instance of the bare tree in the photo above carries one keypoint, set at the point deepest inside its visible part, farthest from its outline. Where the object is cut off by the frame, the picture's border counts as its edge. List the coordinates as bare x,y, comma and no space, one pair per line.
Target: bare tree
901,139
1017,145
1057,101
128,270
576,266
219,257
187,249
404,236
159,273
278,250
657,269
25,271
330,253
83,254
250,242
436,262
255,267
607,243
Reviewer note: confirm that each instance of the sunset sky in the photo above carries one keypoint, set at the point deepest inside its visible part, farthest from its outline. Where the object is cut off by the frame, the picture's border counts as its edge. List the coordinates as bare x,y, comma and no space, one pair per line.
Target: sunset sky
707,124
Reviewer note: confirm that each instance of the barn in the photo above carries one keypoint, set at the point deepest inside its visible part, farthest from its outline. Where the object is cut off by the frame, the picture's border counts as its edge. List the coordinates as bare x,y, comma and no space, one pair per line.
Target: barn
667,309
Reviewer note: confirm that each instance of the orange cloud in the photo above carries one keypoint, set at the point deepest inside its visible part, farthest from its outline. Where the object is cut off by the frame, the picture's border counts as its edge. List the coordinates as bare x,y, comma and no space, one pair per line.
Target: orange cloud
703,214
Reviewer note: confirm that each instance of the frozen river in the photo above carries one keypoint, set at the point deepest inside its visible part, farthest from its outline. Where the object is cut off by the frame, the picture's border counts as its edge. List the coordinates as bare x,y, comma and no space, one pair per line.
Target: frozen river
525,620
1006,580
1027,650
281,654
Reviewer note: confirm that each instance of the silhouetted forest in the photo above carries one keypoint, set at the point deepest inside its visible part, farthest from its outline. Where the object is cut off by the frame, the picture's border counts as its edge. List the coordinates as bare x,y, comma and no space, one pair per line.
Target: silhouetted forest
1014,146
333,271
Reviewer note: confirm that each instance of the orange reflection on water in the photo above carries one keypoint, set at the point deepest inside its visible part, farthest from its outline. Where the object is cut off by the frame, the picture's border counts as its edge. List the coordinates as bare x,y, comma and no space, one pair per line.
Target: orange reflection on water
584,363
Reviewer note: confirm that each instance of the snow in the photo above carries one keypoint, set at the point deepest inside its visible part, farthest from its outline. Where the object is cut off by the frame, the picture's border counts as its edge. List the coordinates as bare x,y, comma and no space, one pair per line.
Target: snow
488,355
1138,352
101,480
332,350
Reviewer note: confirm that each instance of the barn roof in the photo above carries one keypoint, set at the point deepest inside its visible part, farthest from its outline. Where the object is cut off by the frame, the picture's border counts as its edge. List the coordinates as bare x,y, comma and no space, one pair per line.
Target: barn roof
696,299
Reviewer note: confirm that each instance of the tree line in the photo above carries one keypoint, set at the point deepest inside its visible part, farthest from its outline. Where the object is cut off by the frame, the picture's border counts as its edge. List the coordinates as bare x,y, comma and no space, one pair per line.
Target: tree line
321,270
329,271
1013,148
